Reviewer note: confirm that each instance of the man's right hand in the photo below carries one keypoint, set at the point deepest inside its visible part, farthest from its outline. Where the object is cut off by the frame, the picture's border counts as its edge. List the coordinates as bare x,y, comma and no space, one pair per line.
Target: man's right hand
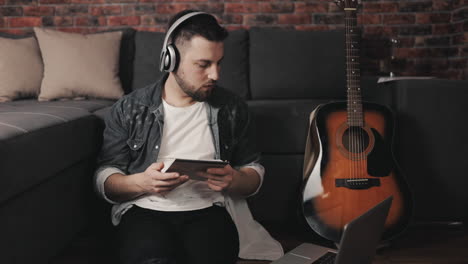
153,181
121,188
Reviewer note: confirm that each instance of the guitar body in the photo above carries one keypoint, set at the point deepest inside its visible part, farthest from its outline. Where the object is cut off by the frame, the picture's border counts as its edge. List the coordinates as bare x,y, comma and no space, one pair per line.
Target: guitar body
353,171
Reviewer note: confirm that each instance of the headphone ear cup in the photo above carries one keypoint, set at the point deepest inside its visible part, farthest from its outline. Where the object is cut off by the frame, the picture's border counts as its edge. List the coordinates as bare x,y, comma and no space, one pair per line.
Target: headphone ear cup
169,59
162,61
171,55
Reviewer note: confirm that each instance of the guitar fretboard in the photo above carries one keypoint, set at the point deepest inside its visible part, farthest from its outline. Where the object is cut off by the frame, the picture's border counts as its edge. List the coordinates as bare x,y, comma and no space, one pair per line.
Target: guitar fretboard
353,75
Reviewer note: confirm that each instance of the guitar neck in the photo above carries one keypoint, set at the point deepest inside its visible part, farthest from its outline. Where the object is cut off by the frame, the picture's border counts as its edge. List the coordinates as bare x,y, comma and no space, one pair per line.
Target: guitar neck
353,75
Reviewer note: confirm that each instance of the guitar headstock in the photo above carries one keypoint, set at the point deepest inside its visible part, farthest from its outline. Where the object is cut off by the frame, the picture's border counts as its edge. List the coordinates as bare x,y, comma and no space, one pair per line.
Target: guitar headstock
345,4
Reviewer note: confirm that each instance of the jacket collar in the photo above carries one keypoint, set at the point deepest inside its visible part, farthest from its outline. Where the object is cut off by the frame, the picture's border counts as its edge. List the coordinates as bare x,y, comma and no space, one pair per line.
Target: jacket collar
155,95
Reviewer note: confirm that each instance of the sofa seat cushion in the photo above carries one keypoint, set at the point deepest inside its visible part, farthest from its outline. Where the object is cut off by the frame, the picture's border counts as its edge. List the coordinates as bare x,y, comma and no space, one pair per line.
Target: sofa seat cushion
22,120
103,112
282,124
37,142
90,105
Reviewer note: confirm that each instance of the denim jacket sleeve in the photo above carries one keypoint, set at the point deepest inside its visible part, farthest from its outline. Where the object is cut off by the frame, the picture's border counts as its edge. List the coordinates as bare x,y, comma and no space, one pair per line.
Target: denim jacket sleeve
245,153
244,147
114,151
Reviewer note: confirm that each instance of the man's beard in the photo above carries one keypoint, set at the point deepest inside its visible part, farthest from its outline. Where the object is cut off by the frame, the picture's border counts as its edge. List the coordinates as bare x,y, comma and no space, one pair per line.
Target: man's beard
197,95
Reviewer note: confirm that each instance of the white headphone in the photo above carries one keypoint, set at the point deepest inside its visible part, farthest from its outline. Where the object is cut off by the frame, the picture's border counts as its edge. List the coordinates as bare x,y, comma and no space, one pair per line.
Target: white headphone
168,58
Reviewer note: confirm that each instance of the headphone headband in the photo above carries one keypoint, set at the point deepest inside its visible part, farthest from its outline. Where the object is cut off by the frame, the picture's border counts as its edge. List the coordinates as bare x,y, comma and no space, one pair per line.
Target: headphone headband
168,57
176,24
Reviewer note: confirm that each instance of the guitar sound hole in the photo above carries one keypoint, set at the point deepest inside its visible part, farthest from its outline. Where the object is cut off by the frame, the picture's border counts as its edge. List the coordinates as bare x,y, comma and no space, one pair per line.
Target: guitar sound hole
355,139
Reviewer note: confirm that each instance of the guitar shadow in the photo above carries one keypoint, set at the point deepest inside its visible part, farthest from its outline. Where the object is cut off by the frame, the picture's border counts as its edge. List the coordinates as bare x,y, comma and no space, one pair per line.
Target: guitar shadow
431,176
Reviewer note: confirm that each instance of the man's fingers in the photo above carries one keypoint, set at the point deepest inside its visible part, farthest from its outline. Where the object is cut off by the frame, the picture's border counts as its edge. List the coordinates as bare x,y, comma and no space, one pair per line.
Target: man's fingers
157,166
218,183
217,171
215,186
215,177
165,176
171,182
164,187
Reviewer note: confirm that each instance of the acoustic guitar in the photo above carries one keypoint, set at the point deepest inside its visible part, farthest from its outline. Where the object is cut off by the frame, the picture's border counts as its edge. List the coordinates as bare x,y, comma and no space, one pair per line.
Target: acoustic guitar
349,165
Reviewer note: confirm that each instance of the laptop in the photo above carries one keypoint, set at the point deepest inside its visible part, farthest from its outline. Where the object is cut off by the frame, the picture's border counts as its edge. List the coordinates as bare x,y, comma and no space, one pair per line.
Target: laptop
358,243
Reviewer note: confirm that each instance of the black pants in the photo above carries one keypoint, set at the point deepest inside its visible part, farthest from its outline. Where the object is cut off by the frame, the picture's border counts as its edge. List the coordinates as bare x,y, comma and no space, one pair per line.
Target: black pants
192,237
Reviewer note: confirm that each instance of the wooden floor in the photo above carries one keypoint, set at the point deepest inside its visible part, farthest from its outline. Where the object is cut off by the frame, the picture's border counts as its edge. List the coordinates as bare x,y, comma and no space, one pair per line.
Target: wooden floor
427,245
418,245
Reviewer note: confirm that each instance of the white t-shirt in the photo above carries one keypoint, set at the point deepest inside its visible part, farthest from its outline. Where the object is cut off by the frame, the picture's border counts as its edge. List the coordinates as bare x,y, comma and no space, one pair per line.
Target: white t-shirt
186,135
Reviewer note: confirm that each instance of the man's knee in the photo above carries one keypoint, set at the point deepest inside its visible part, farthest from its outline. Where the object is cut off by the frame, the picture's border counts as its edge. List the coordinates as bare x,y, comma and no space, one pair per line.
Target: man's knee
146,255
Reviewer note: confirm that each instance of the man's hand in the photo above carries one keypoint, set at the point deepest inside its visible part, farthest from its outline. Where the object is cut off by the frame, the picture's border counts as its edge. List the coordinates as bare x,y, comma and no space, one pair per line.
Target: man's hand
220,179
121,188
241,182
153,181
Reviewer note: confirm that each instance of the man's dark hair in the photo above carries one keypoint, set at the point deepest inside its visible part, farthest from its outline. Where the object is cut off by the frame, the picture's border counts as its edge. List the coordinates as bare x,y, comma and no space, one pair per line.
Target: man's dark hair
204,25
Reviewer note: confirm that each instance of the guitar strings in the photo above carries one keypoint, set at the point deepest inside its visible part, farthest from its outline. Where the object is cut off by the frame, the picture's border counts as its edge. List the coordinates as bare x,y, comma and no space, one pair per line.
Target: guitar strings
355,165
350,98
358,100
356,135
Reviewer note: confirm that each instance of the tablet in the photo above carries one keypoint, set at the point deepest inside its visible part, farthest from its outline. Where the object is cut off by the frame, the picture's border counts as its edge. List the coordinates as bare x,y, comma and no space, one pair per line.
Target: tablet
192,168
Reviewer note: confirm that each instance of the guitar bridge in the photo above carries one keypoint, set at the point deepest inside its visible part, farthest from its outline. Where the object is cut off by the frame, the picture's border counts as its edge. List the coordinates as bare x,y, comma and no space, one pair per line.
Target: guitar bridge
357,183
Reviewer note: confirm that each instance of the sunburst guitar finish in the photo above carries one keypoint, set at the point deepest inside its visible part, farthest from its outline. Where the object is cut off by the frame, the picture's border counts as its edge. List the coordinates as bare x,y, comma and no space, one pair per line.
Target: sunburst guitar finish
355,171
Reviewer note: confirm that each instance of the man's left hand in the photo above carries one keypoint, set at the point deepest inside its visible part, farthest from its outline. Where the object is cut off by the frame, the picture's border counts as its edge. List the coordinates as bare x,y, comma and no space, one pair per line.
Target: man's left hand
221,179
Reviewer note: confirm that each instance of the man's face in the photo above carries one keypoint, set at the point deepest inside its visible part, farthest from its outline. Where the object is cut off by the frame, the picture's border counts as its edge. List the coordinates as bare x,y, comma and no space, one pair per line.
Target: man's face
199,67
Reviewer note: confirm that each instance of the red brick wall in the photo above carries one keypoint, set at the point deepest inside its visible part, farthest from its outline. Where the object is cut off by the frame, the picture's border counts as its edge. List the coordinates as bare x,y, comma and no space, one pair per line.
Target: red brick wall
431,35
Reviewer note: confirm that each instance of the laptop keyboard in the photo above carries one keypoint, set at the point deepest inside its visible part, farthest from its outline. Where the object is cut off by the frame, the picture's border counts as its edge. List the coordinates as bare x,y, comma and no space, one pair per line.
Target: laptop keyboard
328,258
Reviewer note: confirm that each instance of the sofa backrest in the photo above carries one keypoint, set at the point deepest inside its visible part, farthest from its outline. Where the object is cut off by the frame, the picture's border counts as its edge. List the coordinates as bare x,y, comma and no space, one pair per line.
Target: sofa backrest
289,64
263,63
148,46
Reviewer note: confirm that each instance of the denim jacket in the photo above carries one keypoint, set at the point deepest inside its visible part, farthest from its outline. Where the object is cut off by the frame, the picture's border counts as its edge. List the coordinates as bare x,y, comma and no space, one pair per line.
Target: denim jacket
132,139
134,128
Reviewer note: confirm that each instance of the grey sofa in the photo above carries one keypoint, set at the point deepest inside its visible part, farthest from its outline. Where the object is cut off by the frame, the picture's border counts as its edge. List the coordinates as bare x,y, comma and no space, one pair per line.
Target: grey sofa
48,149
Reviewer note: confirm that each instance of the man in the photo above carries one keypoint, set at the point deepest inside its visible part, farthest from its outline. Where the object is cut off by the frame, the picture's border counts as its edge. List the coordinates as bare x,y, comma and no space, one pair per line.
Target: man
165,217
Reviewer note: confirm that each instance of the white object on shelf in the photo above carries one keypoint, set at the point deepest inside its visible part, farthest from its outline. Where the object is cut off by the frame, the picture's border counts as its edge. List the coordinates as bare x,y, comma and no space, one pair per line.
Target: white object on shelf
392,78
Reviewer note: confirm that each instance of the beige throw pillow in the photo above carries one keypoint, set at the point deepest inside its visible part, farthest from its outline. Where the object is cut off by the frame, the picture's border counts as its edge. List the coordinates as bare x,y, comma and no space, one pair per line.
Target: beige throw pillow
20,68
77,65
